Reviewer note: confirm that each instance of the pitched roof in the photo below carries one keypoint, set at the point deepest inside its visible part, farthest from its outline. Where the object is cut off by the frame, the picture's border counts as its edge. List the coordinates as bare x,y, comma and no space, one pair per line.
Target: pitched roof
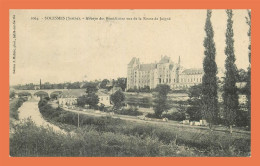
147,67
193,71
73,93
134,59
102,93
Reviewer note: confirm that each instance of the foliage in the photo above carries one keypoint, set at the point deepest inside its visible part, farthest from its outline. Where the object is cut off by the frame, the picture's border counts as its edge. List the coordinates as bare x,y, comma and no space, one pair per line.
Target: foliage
121,82
94,132
248,85
24,94
176,116
11,94
104,83
195,103
90,98
102,108
132,111
91,87
242,118
161,103
242,75
145,89
81,100
209,81
74,85
30,140
230,95
13,107
117,99
41,94
54,96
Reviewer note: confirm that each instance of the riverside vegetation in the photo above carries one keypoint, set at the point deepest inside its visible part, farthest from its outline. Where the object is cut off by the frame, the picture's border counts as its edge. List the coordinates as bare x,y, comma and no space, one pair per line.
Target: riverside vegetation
107,136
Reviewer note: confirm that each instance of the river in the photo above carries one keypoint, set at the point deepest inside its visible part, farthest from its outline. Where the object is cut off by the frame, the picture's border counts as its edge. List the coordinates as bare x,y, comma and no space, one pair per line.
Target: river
30,109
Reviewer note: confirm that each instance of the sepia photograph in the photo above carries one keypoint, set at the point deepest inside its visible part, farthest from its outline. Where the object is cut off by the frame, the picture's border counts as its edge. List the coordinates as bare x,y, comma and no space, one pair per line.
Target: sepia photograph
130,83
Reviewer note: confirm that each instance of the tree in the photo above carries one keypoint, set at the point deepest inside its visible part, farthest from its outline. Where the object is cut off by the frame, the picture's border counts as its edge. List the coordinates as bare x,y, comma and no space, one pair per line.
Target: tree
230,95
55,94
82,100
121,82
104,83
117,99
91,87
161,103
92,100
194,101
209,81
242,75
11,94
248,85
41,94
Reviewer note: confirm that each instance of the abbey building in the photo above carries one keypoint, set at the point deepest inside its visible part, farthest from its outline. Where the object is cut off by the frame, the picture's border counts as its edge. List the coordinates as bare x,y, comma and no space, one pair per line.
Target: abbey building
164,72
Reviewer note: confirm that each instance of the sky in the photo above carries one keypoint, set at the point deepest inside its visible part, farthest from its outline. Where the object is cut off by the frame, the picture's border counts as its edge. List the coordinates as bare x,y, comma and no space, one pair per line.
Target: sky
58,51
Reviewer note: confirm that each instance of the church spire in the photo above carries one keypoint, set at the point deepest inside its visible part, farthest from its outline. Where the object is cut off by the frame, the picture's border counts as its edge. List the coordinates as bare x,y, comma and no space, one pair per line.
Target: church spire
179,61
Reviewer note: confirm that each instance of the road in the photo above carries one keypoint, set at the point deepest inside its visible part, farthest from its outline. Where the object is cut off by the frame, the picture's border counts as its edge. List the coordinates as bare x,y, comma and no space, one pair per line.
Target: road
30,109
169,123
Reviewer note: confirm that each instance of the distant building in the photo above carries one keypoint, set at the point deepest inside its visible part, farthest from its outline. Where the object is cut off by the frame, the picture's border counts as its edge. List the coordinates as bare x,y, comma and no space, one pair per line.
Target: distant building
188,78
165,72
104,98
69,97
37,87
114,89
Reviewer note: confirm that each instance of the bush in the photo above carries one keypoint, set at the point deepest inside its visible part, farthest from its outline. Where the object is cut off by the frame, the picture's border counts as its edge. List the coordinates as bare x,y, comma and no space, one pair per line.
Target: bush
118,136
129,111
176,116
151,115
14,105
30,140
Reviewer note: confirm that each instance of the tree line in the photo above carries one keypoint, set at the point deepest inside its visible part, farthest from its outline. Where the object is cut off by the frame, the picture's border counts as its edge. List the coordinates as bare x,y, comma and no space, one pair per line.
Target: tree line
104,84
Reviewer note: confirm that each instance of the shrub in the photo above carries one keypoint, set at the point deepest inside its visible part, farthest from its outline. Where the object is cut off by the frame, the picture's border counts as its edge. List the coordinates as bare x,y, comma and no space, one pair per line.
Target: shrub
30,140
151,115
14,105
125,138
176,116
129,111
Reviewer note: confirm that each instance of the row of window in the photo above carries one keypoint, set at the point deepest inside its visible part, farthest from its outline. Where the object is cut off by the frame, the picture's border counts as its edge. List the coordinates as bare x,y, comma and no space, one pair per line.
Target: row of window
105,98
190,80
165,80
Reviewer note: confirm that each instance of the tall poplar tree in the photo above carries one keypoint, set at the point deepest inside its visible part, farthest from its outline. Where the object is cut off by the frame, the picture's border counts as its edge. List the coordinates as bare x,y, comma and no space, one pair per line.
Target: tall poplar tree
248,85
230,94
209,80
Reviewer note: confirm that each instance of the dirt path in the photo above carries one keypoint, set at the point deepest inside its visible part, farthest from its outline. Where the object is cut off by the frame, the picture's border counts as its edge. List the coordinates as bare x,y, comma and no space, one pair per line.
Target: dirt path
30,109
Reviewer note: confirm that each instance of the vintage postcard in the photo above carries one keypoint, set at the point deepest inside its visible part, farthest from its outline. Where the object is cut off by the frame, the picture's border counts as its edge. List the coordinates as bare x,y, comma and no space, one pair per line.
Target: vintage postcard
130,83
